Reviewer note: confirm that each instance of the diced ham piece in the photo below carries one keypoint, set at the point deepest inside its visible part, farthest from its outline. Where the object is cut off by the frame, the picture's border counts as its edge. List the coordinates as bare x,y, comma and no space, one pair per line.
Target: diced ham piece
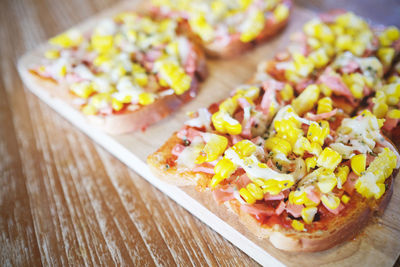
223,194
300,86
152,55
190,64
243,181
337,210
335,83
281,207
370,159
236,138
188,133
313,195
279,196
390,124
243,103
246,132
177,150
266,101
258,210
350,67
322,116
350,183
205,167
294,209
259,141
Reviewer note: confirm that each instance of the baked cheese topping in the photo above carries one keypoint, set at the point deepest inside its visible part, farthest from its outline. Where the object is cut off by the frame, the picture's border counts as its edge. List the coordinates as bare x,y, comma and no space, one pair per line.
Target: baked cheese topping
125,62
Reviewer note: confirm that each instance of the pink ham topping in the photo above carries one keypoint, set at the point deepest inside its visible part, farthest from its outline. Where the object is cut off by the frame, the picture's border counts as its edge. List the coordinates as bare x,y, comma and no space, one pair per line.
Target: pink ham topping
322,116
223,194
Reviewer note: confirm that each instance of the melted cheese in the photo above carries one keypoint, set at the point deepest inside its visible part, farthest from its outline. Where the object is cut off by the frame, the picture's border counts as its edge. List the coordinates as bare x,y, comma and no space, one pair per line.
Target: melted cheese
253,169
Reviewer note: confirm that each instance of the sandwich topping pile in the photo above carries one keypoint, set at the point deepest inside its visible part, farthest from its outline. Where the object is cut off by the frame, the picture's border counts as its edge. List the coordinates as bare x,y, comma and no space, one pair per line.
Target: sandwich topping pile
301,145
123,64
223,20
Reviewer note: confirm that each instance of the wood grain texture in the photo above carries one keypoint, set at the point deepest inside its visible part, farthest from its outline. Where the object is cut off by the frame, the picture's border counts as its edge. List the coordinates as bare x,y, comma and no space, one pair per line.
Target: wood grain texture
63,199
66,201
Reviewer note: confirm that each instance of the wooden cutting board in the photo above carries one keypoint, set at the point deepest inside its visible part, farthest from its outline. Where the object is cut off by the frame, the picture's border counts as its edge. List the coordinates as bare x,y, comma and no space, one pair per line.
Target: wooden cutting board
378,244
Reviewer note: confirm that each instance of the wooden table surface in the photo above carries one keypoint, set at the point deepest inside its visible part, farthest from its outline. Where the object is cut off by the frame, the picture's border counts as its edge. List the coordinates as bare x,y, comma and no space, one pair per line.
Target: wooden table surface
66,201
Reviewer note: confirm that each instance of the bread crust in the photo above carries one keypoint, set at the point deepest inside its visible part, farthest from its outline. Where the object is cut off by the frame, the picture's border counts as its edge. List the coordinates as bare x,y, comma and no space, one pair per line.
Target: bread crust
328,233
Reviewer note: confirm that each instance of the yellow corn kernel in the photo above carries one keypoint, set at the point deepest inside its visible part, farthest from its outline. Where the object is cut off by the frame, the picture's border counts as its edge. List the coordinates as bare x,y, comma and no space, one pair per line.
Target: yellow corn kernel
281,12
229,105
251,92
394,114
89,110
278,145
253,26
308,214
288,130
224,123
357,48
146,99
331,201
173,75
213,149
255,191
99,99
315,149
249,198
311,162
141,79
341,173
380,107
52,54
317,134
102,43
358,163
215,180
244,148
329,159
324,105
303,66
297,225
344,42
383,165
319,30
287,92
345,199
302,144
389,35
298,197
326,180
386,55
82,89
71,38
306,100
63,71
371,184
319,57
325,90
224,168
200,26
116,104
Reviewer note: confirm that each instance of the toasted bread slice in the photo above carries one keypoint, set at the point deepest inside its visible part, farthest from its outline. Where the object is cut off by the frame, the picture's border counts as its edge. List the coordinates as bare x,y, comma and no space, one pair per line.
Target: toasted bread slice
231,45
330,231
